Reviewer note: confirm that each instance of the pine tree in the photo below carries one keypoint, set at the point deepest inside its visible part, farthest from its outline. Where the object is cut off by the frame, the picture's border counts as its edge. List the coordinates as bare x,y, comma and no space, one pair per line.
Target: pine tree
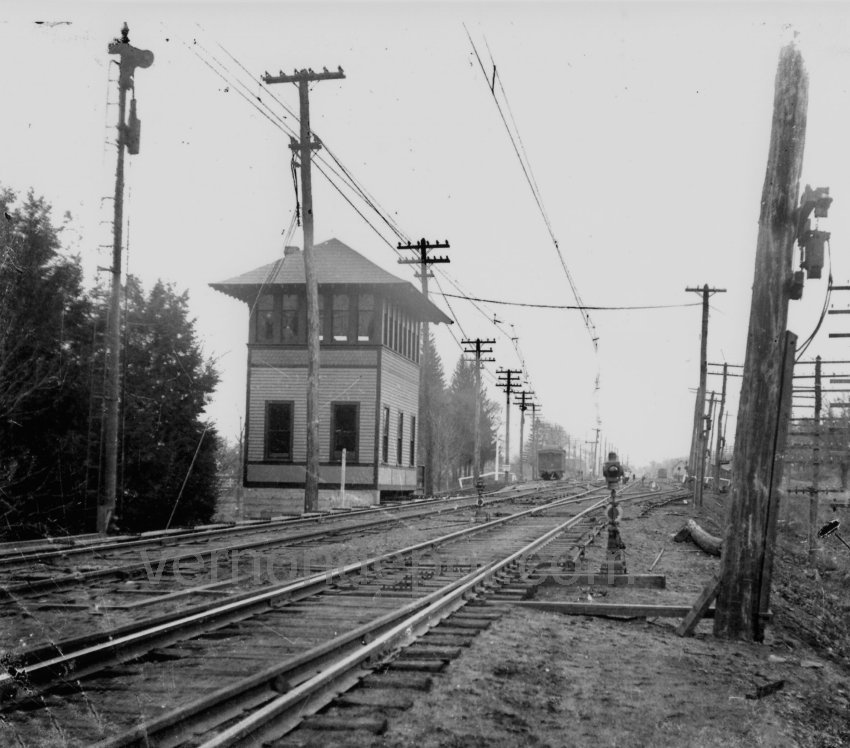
432,410
45,349
165,442
461,420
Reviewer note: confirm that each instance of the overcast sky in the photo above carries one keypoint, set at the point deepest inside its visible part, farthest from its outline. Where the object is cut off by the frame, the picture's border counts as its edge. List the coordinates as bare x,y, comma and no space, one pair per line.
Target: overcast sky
646,126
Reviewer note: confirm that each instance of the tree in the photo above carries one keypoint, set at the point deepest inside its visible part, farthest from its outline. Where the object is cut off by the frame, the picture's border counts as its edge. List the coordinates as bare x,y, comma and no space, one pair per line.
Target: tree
167,460
432,399
461,420
45,347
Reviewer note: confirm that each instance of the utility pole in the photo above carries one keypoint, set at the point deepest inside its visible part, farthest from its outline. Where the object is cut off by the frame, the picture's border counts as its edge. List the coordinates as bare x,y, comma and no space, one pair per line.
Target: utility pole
746,565
718,453
476,347
130,58
814,499
595,452
534,407
524,403
699,407
305,148
705,429
426,441
509,380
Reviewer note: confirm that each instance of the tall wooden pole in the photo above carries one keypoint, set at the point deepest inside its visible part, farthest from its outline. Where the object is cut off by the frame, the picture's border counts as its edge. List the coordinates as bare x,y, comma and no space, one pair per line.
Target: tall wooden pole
427,426
699,404
746,563
130,59
509,380
305,148
702,442
718,453
476,347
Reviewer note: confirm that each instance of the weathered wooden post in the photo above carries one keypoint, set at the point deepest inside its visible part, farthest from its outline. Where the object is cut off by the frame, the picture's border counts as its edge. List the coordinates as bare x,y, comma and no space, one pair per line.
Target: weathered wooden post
747,558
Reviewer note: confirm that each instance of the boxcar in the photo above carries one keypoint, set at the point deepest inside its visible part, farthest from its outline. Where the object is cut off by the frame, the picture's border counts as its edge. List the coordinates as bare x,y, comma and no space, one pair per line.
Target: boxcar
551,463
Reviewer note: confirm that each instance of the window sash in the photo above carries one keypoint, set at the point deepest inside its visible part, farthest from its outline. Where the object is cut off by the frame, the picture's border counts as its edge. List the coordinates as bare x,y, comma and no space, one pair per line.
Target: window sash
345,423
278,436
385,437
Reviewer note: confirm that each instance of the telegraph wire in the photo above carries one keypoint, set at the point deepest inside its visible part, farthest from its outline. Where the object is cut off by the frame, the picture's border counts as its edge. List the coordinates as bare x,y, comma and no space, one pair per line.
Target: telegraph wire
526,168
568,306
342,173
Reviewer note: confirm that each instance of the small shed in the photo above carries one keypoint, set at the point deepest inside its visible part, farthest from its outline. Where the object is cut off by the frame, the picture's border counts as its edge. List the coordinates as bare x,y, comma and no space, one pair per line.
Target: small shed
368,383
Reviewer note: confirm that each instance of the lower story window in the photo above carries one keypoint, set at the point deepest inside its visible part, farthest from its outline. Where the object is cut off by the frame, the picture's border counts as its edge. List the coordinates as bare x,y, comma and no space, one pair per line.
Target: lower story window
385,436
279,431
412,441
344,426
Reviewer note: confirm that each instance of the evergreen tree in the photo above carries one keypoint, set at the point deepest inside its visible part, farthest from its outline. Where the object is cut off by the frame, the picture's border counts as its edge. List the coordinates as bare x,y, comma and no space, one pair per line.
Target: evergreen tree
45,349
461,420
432,415
167,455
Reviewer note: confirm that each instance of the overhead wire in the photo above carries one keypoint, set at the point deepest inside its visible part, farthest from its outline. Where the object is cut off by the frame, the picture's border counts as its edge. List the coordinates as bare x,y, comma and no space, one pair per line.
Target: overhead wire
525,164
322,165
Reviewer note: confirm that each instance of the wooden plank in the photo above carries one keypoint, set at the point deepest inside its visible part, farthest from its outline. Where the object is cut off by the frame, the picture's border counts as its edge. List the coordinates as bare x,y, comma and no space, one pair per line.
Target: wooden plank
376,725
376,697
653,581
619,610
400,679
700,608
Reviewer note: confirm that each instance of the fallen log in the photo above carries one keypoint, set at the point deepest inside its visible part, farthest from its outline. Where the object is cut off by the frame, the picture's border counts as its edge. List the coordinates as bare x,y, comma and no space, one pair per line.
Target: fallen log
709,543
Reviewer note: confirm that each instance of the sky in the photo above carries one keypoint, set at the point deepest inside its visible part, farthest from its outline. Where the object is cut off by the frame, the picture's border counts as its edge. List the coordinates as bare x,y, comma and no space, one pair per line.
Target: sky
645,127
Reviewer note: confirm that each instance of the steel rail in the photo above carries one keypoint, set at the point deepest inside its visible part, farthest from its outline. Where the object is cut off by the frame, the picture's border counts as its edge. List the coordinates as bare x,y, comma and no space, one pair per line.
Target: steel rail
229,702
371,641
10,556
21,589
109,649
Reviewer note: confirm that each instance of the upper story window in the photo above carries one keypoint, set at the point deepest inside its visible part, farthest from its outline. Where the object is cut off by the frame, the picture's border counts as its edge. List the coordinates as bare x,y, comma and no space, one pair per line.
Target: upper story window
340,317
292,329
400,331
267,320
365,317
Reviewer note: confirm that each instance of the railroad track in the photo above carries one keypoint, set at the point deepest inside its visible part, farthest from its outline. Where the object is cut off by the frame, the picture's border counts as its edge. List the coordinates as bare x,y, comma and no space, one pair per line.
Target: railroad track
23,574
164,583
182,676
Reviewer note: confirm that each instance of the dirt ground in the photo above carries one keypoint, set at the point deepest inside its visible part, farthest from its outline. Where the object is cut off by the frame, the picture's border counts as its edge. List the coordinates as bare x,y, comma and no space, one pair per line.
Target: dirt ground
537,678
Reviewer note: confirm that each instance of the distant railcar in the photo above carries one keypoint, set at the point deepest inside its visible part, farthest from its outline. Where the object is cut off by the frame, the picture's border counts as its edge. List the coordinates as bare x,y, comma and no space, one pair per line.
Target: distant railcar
662,473
551,463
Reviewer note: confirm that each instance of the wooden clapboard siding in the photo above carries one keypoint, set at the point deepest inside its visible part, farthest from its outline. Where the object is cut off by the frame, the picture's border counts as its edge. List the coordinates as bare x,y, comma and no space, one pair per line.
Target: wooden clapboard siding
293,473
329,356
335,385
399,392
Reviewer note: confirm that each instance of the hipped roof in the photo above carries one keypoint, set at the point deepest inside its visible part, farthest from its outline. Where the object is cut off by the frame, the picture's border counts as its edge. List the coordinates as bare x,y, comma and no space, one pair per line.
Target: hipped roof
334,263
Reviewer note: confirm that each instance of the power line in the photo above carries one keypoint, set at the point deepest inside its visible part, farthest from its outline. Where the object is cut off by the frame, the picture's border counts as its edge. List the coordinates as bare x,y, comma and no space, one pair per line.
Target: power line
341,172
567,306
532,183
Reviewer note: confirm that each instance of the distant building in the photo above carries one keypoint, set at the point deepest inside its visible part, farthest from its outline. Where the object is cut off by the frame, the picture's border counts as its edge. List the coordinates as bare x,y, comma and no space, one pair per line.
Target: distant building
368,383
